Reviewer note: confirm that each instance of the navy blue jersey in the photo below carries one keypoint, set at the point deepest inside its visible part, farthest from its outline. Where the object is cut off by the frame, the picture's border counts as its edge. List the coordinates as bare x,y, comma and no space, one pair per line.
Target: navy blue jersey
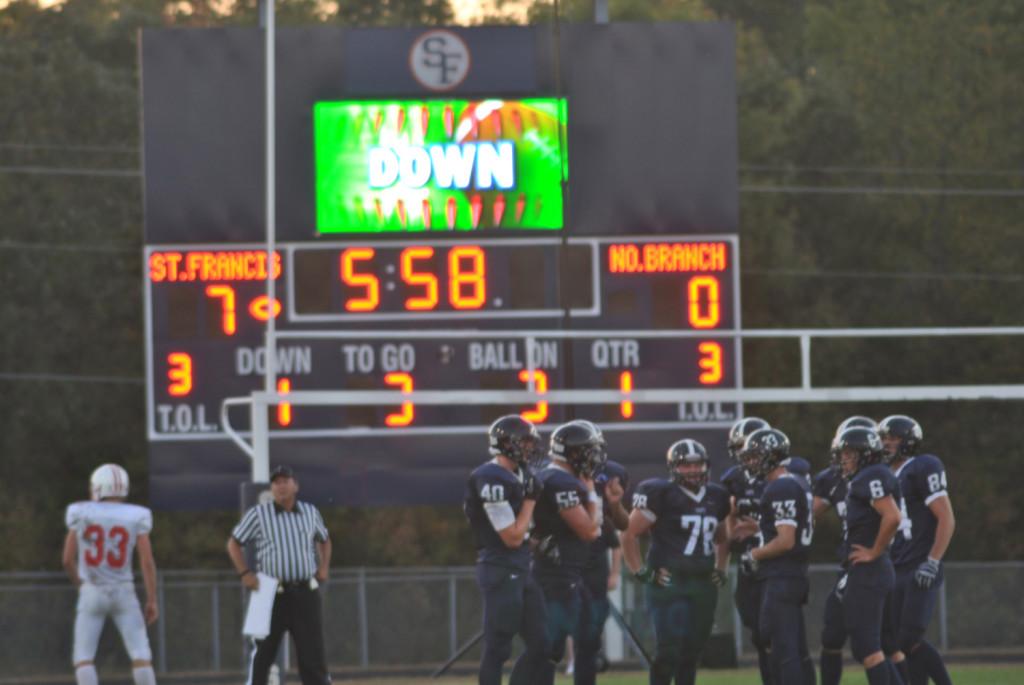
786,501
747,492
799,466
565,554
862,521
683,534
494,496
830,486
922,480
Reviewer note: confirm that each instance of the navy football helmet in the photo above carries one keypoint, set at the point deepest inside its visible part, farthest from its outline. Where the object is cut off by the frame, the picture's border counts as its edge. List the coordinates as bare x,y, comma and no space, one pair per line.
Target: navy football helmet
688,451
864,442
739,432
765,449
852,421
602,458
514,437
581,445
906,429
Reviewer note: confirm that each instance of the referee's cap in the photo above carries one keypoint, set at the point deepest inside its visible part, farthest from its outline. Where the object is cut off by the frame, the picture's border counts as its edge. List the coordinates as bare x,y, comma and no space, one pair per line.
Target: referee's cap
281,471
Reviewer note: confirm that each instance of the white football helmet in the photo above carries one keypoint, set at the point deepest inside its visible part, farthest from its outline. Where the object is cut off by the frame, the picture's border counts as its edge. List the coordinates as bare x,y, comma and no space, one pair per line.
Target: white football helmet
109,480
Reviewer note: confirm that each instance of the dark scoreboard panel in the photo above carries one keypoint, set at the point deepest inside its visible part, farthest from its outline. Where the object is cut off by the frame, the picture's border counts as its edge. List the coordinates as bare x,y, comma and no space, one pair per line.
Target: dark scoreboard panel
565,217
658,305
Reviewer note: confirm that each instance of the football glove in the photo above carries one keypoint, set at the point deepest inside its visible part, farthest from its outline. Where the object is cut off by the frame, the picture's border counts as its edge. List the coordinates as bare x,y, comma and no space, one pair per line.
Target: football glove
841,587
548,548
531,486
748,564
927,572
644,575
719,578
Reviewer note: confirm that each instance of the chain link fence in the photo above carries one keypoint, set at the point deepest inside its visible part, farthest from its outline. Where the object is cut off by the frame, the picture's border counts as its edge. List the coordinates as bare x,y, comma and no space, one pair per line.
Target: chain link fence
385,618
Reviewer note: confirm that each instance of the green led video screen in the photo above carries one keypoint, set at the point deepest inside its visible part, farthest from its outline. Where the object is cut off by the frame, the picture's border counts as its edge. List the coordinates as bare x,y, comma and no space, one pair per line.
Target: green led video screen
441,165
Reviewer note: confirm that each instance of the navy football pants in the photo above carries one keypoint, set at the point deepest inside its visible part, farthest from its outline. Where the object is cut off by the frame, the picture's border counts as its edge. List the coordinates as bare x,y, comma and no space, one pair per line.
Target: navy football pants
867,587
594,610
782,622
683,616
910,609
513,604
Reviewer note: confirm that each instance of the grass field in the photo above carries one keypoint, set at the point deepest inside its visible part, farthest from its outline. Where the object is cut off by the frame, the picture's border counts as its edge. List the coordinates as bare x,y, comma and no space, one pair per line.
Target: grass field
964,675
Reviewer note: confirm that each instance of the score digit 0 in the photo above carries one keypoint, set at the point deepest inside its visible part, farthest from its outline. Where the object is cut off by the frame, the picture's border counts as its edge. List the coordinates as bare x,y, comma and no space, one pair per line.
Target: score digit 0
704,308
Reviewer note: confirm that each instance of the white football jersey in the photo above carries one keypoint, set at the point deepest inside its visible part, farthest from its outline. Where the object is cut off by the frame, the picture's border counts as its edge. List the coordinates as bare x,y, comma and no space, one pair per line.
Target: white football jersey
107,532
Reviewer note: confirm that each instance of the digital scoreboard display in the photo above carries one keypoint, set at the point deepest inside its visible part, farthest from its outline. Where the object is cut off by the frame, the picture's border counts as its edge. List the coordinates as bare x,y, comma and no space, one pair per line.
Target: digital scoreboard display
441,165
564,217
208,310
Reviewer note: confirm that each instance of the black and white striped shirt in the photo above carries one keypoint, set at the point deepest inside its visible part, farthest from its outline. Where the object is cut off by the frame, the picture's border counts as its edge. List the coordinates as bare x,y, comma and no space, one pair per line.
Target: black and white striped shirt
284,539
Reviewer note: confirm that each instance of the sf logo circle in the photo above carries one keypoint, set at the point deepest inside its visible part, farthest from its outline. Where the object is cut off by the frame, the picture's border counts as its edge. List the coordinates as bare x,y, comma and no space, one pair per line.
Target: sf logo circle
439,60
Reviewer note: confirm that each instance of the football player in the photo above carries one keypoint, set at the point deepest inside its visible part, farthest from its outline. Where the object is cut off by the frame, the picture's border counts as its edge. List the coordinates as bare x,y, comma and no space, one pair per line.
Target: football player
924,535
499,503
687,560
599,576
781,562
872,517
102,536
745,487
829,490
568,517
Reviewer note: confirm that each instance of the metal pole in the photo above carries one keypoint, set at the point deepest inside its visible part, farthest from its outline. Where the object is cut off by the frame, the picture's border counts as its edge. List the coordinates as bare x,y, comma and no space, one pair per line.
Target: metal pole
443,668
215,624
628,630
270,378
600,11
364,624
943,620
452,624
737,623
161,627
260,442
805,361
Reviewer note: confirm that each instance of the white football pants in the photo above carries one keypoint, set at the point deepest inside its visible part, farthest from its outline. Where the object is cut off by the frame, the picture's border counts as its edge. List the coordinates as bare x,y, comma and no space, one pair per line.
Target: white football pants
95,604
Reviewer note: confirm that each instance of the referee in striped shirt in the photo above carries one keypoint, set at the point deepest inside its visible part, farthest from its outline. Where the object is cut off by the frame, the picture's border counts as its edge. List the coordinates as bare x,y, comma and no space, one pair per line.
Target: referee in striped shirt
293,546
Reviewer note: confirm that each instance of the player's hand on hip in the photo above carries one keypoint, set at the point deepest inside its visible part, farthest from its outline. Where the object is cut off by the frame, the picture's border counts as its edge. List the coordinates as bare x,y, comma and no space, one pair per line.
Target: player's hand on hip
151,612
859,554
663,578
251,581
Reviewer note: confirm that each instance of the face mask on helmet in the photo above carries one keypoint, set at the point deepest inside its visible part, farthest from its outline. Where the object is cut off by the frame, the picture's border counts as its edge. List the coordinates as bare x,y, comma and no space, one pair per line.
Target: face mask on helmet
767,448
692,453
859,448
515,438
580,445
901,436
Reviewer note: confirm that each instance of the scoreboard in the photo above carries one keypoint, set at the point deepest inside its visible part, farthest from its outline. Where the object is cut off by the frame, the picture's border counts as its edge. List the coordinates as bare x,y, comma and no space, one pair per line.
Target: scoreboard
516,231
208,309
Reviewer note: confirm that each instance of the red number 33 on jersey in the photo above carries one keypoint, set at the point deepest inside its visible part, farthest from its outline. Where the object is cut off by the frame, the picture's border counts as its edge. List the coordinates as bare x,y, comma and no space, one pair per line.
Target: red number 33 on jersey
97,538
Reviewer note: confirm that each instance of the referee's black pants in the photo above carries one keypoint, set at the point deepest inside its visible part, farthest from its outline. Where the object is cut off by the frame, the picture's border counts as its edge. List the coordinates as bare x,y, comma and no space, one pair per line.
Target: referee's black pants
297,610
